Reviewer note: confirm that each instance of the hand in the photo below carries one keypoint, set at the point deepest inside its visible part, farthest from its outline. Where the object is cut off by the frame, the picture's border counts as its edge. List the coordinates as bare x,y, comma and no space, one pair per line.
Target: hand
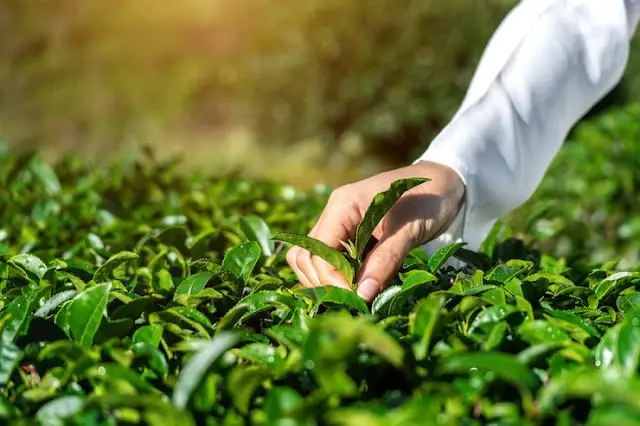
419,216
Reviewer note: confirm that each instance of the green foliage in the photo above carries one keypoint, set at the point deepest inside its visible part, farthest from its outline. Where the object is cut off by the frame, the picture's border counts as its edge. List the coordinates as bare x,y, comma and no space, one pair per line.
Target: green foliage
585,207
135,294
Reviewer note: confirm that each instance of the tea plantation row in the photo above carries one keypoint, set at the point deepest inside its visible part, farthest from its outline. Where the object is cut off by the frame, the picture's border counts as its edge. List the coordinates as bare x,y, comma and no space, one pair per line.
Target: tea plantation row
141,294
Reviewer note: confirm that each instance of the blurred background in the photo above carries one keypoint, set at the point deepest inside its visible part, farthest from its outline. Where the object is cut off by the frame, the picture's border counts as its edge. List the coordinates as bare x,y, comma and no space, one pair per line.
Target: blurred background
305,91
301,91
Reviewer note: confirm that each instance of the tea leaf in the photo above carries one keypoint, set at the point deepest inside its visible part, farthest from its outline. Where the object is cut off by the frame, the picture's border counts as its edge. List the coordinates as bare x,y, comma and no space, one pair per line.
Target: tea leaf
320,249
242,259
200,363
379,207
255,229
193,284
105,271
83,314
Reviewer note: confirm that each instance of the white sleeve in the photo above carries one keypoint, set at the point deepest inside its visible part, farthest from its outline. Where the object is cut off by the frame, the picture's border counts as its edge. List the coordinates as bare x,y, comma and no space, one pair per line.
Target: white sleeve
547,64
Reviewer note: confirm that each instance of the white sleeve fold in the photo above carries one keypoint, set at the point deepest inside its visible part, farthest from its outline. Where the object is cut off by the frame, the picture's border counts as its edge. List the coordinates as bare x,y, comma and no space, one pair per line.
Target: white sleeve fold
547,64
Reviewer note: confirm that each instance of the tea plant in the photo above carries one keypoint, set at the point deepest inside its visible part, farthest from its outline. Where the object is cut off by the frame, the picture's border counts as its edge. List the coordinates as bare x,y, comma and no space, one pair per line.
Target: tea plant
140,294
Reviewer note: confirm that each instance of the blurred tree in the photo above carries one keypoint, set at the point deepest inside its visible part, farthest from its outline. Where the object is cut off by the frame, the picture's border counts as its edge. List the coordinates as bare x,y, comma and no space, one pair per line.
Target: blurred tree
100,73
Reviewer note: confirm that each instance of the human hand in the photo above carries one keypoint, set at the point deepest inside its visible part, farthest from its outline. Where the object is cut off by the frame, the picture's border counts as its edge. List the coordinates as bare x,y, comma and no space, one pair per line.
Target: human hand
420,215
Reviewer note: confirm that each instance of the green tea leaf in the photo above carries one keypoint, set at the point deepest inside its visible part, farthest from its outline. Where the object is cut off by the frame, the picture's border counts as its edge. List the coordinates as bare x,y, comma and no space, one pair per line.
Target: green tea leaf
45,176
620,346
31,265
199,365
379,207
493,314
538,331
628,302
150,334
505,367
15,319
10,355
330,255
332,294
157,361
193,284
242,259
105,271
54,412
83,314
442,255
423,322
255,229
243,382
610,385
255,303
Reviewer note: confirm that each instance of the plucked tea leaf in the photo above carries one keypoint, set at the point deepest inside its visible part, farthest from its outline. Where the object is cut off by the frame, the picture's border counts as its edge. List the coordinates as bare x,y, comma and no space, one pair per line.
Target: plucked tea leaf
379,207
320,249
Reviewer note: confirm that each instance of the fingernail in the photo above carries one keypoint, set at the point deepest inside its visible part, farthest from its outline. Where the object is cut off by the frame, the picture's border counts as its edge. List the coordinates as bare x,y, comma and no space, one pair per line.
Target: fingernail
368,289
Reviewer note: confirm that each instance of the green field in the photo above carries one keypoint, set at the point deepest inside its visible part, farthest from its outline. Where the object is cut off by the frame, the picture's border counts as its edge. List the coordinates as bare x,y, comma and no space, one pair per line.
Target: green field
137,292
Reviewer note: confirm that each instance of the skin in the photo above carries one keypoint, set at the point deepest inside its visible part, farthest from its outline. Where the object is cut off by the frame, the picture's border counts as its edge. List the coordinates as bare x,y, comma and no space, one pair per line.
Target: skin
420,215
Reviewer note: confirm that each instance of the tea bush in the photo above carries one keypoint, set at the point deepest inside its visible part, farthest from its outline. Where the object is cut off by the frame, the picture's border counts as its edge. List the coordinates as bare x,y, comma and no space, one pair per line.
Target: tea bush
142,293
586,207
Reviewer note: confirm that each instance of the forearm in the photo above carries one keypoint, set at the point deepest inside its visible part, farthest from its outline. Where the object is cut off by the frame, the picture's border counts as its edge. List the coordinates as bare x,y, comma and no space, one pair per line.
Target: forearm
547,65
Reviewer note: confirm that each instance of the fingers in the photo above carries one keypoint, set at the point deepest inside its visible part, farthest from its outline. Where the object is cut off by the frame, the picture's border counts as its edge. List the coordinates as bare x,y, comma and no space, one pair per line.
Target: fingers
338,222
384,261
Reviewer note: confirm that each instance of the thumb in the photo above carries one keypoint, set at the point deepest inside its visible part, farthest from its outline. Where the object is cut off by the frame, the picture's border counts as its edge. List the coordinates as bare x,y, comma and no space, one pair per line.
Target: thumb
383,263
